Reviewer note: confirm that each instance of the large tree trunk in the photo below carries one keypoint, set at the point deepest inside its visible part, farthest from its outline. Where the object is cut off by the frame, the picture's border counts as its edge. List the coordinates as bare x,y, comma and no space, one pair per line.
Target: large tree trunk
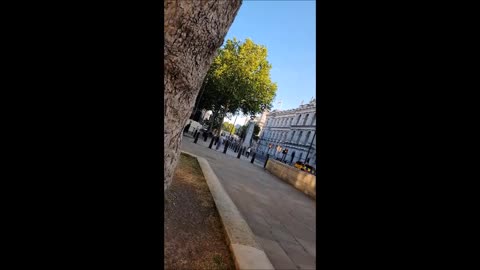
194,30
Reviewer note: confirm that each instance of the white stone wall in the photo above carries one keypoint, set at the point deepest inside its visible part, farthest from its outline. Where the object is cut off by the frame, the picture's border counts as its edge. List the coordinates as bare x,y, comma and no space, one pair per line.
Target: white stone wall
193,125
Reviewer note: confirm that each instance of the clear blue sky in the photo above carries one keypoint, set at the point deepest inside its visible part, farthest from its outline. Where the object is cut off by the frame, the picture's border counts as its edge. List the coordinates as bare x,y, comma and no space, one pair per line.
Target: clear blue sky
287,29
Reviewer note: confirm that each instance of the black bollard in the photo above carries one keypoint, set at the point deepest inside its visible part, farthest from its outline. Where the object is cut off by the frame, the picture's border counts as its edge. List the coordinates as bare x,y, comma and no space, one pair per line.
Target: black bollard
205,138
211,143
253,157
195,133
265,165
226,147
239,153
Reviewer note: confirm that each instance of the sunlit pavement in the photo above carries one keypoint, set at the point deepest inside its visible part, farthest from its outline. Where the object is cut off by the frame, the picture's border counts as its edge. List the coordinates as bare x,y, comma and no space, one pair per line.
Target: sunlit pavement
281,217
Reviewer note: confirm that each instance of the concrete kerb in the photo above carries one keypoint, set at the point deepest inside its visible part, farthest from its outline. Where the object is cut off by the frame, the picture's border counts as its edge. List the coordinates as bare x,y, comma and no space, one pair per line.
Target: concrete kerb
247,253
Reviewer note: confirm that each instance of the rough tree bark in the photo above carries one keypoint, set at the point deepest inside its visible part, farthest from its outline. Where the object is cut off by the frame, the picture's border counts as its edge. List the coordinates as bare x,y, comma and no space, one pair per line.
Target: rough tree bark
194,30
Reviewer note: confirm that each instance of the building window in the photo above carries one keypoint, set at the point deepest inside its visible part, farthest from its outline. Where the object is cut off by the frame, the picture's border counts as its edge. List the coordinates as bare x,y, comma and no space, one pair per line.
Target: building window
313,119
305,120
293,135
298,120
306,138
299,136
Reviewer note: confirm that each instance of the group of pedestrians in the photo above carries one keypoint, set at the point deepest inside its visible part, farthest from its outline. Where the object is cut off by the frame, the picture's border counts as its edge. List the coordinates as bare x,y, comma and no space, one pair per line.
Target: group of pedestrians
233,142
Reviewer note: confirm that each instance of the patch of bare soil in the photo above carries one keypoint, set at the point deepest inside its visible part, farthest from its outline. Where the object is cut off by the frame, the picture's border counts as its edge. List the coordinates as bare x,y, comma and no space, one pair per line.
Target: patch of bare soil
194,235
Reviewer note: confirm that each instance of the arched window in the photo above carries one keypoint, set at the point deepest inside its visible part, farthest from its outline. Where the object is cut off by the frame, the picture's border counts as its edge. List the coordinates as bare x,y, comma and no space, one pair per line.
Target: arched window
313,118
298,119
293,135
299,136
305,120
306,137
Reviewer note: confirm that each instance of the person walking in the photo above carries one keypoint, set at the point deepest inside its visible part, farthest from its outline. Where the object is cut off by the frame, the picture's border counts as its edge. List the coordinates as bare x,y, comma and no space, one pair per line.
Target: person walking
248,151
284,152
220,141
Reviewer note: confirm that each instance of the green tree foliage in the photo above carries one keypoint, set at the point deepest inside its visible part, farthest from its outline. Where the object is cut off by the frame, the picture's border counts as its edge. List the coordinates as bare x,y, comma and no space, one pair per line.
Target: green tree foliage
256,129
242,131
238,80
228,127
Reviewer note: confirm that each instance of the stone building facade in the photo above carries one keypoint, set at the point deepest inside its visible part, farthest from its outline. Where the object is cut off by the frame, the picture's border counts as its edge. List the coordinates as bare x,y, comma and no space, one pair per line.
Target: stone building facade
293,129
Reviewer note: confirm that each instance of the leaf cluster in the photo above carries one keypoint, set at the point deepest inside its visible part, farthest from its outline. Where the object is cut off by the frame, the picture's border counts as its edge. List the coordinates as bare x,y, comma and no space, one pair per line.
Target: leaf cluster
239,80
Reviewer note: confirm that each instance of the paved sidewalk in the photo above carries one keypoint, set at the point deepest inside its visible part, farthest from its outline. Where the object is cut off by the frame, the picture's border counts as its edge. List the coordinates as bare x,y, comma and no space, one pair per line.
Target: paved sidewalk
281,217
